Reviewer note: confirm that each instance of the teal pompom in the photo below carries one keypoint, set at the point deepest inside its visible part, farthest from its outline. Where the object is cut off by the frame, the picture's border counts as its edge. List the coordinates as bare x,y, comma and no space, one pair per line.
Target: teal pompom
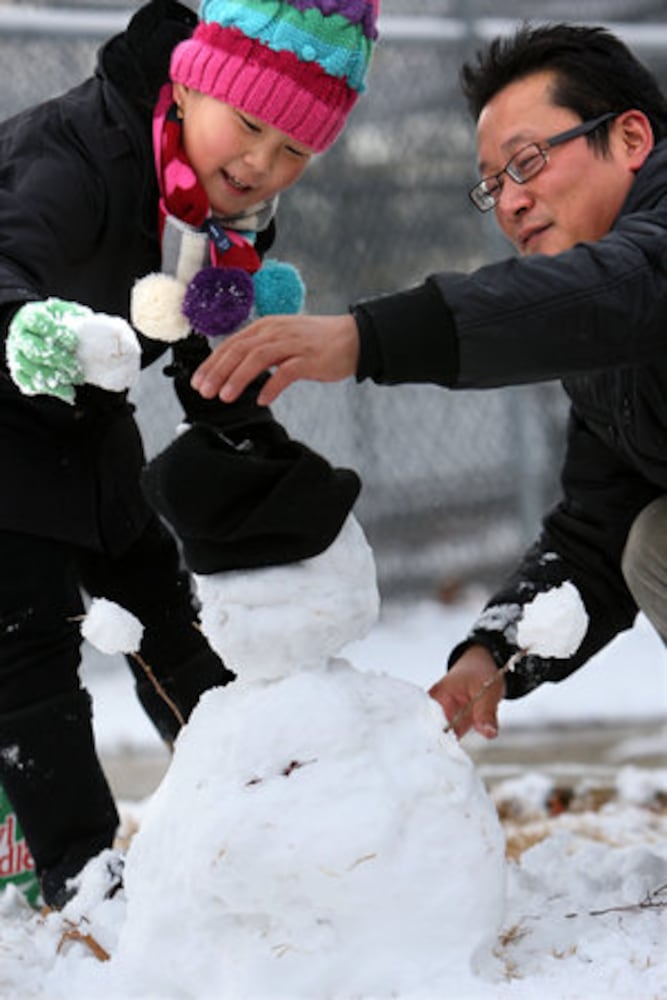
278,288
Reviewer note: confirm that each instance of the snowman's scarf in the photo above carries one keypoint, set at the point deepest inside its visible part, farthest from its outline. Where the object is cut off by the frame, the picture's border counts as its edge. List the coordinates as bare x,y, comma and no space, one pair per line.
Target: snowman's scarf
191,237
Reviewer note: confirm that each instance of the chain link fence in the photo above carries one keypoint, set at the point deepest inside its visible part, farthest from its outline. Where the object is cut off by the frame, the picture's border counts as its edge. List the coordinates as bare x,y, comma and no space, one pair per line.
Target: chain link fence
454,483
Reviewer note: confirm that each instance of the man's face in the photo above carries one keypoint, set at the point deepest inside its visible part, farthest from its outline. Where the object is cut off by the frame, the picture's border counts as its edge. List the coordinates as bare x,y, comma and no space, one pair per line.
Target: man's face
578,193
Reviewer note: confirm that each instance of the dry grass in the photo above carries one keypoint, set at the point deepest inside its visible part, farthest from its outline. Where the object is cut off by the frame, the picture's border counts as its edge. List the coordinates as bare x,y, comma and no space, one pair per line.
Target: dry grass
517,843
72,932
563,808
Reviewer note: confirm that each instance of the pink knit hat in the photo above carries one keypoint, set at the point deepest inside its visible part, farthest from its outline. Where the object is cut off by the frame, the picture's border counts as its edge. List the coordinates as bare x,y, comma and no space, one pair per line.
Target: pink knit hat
298,65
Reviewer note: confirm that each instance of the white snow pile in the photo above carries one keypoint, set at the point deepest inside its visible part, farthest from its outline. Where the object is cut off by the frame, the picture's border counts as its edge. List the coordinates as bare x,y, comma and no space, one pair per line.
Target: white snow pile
286,852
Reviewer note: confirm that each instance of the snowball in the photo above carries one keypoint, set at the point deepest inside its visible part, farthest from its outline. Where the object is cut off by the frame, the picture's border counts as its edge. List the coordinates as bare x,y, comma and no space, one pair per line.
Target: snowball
110,628
108,351
553,623
266,623
296,830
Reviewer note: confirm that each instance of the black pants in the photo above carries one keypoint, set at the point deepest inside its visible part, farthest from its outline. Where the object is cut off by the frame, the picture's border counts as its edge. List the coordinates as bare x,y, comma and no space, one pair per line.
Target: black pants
48,763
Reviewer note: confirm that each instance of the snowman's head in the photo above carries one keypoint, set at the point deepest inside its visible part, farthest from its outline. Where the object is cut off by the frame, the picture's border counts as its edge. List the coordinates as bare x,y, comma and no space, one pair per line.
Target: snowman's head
268,623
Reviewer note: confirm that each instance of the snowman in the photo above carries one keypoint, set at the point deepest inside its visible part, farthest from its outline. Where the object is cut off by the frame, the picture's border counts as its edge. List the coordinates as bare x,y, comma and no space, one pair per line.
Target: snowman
317,834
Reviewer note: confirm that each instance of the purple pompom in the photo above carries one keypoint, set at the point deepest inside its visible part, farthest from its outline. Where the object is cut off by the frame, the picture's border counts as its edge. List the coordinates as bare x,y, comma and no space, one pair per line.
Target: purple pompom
218,300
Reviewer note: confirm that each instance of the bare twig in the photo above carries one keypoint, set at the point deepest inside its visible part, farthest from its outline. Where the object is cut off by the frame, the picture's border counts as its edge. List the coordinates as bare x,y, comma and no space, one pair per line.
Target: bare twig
649,902
151,676
159,689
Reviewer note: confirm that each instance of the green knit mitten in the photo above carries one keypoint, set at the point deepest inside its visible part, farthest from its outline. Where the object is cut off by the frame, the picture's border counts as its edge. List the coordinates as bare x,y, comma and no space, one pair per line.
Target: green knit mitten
42,348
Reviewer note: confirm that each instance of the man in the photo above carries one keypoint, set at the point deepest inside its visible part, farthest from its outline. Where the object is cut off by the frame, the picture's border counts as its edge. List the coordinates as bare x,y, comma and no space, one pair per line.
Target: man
573,159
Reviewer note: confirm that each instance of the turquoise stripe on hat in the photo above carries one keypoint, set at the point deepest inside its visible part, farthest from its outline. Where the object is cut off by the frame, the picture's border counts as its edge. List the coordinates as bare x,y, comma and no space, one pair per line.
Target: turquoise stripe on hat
340,48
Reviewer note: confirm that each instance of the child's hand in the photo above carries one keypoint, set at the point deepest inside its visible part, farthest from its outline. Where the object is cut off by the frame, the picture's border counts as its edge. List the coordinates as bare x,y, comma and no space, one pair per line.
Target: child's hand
55,345
41,349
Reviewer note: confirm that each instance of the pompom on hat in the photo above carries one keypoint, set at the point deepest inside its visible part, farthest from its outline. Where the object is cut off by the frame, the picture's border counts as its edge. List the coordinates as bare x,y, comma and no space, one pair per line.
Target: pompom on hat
298,65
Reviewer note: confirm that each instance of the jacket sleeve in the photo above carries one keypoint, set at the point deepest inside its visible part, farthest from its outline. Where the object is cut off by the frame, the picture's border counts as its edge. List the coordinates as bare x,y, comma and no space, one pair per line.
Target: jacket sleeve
52,205
581,542
526,320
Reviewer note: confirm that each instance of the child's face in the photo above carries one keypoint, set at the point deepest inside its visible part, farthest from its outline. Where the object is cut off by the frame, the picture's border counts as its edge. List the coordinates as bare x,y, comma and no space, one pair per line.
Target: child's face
238,159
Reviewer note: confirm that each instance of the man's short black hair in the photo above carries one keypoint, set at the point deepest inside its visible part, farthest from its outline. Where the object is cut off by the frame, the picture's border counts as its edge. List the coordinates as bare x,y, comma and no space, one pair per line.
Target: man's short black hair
594,72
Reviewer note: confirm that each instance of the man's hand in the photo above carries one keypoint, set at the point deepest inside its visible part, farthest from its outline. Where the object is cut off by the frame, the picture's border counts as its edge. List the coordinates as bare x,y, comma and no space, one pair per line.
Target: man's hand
470,693
321,348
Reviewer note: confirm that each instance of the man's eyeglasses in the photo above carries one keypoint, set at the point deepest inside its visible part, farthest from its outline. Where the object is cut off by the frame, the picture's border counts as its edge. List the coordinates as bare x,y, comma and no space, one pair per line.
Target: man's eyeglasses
527,162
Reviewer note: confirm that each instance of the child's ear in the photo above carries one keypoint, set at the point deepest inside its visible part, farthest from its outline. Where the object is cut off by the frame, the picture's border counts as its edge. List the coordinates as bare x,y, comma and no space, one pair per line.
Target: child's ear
179,93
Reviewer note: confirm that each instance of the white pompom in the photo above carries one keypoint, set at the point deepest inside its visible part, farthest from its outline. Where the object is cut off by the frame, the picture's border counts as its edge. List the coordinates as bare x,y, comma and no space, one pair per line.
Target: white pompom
156,307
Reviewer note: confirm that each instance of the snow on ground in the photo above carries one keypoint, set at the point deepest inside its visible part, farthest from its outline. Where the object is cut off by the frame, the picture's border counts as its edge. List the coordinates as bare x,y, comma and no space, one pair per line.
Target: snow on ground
320,838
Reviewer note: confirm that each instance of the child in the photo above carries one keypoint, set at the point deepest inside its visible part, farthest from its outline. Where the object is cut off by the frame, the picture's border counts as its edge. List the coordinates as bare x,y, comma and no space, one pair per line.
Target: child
183,138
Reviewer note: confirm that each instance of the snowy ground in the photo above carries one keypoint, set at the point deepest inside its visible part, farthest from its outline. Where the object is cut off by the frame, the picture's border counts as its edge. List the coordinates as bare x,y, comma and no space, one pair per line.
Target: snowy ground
585,906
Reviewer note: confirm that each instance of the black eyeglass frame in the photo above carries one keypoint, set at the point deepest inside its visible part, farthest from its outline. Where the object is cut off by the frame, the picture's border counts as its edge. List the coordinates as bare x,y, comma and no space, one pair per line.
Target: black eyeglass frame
584,128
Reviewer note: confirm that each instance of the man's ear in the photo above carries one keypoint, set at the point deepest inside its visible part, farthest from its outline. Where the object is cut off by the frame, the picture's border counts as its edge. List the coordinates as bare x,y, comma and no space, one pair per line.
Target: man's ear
634,132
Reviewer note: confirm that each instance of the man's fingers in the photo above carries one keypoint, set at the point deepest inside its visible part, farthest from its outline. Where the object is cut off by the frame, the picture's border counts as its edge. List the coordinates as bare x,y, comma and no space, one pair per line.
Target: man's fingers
282,377
249,369
319,348
484,712
454,707
231,367
487,726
